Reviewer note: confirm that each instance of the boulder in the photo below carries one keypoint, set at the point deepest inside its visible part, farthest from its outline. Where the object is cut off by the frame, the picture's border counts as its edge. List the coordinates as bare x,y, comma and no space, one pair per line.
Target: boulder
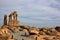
57,28
53,32
33,31
42,33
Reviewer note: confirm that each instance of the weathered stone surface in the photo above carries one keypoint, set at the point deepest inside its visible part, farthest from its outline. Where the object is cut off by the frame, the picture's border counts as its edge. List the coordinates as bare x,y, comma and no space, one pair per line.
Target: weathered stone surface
25,27
16,23
57,28
46,31
42,33
33,31
13,21
5,19
51,38
53,32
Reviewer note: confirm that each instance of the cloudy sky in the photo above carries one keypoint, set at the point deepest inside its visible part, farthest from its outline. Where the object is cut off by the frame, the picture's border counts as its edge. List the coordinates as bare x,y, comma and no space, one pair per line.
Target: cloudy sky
41,13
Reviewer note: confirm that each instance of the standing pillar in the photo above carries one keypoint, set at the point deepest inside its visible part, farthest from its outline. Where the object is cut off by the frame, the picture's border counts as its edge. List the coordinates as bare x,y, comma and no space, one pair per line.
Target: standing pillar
10,18
16,22
13,21
16,16
5,19
10,23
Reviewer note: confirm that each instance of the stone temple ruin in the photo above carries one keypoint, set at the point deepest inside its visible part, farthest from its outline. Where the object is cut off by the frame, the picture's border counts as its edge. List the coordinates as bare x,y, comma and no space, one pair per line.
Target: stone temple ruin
13,21
14,31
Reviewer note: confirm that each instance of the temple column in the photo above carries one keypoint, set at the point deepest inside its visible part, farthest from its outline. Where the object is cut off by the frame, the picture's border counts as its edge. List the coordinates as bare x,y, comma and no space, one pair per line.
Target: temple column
10,23
5,19
16,22
16,17
10,18
13,21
